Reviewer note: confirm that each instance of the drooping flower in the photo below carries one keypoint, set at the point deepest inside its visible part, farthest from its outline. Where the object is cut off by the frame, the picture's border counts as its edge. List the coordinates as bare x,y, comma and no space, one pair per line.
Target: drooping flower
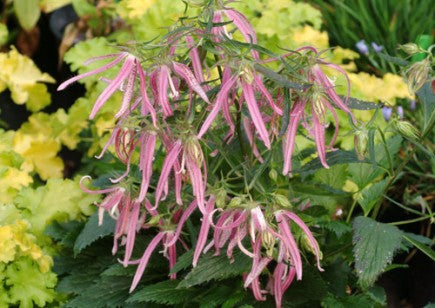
310,109
270,240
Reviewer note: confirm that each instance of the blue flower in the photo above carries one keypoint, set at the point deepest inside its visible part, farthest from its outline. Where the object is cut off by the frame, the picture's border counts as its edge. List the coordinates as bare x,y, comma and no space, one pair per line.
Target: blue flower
400,112
376,47
387,111
362,47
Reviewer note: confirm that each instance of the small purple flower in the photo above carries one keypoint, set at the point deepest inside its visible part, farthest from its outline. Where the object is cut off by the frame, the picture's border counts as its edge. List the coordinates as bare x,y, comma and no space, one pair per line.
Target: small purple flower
376,47
362,47
412,104
387,111
400,112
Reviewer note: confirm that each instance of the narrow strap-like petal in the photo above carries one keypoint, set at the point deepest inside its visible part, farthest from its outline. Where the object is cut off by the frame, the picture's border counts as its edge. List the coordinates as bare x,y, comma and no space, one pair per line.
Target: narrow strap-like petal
221,99
307,231
113,86
65,84
170,159
203,233
145,258
184,72
254,111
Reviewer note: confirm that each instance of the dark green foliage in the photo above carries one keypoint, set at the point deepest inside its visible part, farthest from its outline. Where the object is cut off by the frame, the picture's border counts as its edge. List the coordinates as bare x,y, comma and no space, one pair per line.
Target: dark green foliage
92,231
374,247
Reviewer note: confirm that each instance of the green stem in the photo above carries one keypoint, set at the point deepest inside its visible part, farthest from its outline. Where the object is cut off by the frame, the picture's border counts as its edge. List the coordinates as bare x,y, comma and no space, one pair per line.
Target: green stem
352,208
410,221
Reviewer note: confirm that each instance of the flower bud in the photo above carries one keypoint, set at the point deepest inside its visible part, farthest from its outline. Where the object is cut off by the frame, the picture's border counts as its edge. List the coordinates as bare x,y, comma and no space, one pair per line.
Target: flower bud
410,48
221,196
273,175
407,129
306,244
236,202
282,200
417,75
361,140
268,241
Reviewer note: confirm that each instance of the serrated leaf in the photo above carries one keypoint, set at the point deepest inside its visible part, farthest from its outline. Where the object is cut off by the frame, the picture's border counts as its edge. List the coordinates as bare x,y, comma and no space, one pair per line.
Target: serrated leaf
212,267
27,12
183,262
371,195
354,301
374,246
338,227
423,248
92,232
165,292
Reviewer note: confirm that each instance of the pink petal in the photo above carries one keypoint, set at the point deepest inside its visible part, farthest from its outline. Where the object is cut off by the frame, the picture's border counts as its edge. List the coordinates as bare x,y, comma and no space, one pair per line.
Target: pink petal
148,144
307,231
145,258
146,104
221,99
242,23
113,86
170,159
93,72
184,72
257,119
203,233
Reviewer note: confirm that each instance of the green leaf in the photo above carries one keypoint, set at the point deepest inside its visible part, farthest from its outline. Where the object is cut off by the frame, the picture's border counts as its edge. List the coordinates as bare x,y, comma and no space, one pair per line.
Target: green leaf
355,103
165,292
354,301
92,232
212,267
311,288
338,227
183,262
374,246
423,248
332,158
27,12
371,195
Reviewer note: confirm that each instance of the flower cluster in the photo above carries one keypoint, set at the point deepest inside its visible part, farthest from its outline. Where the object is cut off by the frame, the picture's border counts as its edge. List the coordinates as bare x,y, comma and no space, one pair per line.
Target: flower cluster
157,114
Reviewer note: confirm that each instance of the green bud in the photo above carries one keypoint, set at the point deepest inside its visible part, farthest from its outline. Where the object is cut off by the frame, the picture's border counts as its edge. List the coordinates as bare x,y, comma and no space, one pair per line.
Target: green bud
410,48
282,200
268,241
154,221
361,140
306,244
417,75
236,202
273,175
221,196
407,129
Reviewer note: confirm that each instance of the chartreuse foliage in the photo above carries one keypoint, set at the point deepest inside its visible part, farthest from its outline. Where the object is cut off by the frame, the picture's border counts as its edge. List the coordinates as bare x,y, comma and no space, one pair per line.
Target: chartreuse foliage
26,277
25,81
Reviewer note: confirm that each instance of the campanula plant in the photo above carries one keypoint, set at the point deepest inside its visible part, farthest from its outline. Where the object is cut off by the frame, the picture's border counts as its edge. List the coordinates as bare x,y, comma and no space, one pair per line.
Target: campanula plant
204,112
